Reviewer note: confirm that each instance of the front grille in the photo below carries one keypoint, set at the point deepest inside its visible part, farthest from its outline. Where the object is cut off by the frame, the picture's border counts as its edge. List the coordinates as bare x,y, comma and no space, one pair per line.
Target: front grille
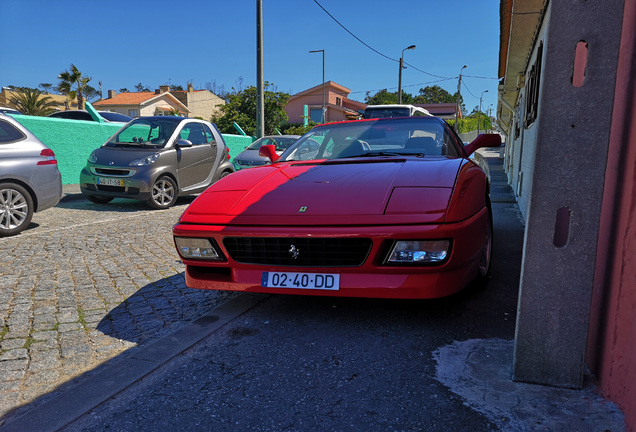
105,188
113,172
308,252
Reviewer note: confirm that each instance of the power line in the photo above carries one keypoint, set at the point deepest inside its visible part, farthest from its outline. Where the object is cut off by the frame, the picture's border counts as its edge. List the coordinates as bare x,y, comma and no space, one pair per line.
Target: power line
373,49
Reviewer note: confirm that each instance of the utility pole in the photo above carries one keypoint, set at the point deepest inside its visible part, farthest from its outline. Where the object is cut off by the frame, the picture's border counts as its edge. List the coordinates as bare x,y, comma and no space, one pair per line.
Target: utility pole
260,97
479,115
323,82
400,74
458,105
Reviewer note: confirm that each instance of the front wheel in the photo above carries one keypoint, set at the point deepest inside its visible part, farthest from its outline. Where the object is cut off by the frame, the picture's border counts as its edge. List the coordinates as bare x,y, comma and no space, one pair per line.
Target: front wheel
16,209
163,193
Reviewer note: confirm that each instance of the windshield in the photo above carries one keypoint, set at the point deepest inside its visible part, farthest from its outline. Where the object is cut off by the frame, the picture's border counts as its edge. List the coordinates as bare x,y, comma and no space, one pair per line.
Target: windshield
145,132
281,143
415,136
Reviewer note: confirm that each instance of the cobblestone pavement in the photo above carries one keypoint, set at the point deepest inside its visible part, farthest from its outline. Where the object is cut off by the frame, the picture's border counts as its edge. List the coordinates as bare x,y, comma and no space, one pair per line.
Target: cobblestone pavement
84,284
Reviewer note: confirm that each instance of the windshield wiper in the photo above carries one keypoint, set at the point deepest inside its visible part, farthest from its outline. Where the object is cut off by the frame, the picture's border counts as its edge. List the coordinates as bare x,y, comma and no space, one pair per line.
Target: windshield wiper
373,154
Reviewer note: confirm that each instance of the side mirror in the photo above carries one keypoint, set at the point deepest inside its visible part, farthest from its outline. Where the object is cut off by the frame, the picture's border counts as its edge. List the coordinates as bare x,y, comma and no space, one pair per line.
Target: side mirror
184,143
269,151
483,140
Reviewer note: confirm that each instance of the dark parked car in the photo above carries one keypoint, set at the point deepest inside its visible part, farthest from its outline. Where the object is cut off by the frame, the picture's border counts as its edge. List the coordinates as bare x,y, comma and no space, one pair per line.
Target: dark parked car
109,116
29,178
156,159
249,157
6,110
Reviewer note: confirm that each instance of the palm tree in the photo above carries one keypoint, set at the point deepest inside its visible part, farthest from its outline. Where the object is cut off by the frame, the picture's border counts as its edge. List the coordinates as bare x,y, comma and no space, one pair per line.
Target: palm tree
33,102
70,78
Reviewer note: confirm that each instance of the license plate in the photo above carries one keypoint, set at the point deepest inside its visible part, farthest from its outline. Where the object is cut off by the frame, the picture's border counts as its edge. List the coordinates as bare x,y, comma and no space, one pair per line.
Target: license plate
301,280
110,182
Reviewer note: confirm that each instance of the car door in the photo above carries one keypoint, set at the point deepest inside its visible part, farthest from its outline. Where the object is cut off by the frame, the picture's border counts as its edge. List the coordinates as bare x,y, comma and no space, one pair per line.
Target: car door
196,162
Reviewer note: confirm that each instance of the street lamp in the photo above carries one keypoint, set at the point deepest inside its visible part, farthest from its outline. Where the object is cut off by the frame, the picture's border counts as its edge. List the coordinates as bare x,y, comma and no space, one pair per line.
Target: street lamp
400,75
323,82
479,115
457,105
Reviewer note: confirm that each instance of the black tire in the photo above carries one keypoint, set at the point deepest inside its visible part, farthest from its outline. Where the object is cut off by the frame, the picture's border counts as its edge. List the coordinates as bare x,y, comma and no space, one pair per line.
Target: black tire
163,193
98,199
16,209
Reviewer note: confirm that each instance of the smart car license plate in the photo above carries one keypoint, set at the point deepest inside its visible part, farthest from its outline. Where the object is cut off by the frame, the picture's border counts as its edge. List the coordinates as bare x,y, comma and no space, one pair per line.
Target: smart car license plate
301,280
110,181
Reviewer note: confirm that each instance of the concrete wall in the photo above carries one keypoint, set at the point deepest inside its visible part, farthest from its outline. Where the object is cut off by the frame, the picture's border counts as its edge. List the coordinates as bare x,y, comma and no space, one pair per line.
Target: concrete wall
74,140
564,205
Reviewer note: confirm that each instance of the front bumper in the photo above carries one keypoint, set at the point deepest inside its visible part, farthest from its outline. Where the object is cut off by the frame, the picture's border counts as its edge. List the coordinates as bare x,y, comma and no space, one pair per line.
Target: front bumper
371,279
136,187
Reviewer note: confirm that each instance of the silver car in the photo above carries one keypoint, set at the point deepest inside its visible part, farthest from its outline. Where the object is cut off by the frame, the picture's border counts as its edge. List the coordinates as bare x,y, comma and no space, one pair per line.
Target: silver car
250,157
29,178
156,159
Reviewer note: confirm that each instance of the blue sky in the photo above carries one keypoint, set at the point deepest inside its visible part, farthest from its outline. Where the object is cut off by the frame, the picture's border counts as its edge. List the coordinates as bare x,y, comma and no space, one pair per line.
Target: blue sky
123,43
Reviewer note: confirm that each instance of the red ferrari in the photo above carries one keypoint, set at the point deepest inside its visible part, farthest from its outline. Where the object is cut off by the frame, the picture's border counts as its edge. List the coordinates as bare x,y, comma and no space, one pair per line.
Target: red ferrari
371,208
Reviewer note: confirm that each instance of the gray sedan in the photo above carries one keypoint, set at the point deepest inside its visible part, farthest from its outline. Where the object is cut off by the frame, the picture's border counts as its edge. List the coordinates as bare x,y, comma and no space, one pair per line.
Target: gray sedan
250,157
156,159
29,178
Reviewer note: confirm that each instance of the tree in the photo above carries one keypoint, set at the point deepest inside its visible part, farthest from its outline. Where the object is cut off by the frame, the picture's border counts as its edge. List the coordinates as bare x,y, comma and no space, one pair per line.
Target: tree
434,94
33,102
47,88
139,87
73,78
241,108
383,97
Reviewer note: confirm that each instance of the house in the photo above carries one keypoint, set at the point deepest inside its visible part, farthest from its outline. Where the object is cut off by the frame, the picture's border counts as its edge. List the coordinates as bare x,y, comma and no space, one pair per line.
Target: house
447,111
160,102
567,107
338,106
62,102
201,103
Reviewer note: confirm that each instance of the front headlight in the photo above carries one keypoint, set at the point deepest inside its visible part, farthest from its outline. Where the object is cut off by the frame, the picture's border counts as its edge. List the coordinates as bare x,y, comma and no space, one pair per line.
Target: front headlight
147,160
93,157
419,252
198,248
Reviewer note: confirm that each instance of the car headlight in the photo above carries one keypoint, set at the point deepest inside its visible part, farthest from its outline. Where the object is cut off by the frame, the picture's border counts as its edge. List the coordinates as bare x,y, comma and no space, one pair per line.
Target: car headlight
198,248
147,160
419,252
93,157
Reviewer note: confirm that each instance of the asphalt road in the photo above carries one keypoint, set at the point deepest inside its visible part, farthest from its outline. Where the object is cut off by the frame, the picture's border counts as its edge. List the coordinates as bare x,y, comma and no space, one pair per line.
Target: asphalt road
142,352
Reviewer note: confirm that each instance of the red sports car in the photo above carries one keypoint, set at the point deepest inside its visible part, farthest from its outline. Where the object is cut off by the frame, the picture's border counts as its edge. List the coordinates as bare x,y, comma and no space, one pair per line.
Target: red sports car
370,208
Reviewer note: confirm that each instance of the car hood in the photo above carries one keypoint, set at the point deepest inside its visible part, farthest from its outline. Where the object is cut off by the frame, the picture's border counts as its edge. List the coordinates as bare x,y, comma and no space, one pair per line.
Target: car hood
338,192
122,156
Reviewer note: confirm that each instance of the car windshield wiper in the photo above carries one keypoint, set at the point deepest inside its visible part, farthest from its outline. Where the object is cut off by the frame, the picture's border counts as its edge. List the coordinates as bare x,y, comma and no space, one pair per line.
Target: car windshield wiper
373,154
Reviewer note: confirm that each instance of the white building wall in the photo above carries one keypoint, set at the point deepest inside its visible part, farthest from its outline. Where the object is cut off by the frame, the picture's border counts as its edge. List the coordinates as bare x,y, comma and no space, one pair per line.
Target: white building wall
525,145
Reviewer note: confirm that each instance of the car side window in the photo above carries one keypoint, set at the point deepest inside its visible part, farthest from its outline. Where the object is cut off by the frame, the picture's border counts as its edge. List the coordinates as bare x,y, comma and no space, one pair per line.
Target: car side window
194,133
209,136
9,134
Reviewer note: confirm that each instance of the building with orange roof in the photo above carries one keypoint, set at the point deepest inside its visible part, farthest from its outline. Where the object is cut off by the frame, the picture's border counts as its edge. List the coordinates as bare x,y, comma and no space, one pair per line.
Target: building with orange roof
159,102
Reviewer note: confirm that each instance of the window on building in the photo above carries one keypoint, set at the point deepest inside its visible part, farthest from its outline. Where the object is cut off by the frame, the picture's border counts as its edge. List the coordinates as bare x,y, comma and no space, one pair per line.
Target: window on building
315,115
133,113
338,101
533,88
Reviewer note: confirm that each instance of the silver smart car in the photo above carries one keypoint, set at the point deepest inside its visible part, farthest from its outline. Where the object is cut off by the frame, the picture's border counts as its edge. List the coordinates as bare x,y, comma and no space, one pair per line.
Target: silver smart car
156,159
29,178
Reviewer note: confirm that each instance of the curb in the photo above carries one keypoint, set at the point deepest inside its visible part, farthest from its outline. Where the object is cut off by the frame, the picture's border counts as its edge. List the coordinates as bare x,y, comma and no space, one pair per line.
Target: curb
116,377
